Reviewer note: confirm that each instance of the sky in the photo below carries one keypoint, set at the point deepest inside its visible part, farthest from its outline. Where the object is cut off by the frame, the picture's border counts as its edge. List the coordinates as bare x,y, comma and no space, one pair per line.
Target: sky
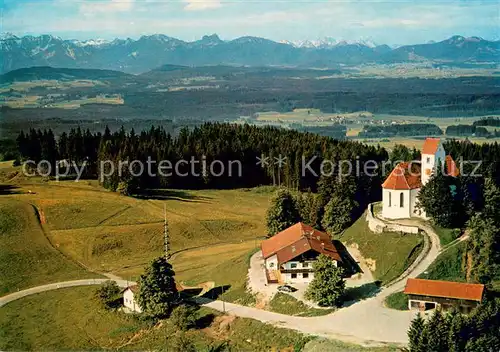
384,22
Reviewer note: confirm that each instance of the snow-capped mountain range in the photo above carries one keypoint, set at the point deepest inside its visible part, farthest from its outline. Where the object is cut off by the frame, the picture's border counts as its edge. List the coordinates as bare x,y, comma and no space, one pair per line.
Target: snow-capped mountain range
148,52
329,42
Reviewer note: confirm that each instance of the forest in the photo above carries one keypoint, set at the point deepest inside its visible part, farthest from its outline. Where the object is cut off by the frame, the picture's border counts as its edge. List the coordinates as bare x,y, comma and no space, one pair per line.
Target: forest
470,130
488,121
402,130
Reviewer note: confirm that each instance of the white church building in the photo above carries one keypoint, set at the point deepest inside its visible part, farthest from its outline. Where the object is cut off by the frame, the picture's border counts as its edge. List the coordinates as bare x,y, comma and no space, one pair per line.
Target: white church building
401,188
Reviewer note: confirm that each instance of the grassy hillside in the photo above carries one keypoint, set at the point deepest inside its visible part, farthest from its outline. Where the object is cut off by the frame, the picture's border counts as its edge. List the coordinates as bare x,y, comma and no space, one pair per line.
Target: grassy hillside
69,319
27,258
212,232
114,233
449,265
390,253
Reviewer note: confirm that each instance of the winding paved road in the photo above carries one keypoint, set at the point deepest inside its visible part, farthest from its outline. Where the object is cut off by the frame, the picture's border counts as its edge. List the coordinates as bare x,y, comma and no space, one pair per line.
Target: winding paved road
367,322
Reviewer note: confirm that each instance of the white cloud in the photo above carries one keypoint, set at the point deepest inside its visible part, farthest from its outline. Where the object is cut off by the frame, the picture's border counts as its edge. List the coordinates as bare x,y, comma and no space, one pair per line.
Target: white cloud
200,5
107,6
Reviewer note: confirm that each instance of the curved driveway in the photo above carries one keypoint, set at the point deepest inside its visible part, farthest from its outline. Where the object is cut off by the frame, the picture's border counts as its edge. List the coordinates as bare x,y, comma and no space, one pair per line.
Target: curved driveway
366,322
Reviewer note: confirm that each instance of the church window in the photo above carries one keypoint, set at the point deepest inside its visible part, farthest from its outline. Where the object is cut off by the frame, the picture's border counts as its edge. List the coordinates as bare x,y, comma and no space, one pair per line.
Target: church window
401,200
390,198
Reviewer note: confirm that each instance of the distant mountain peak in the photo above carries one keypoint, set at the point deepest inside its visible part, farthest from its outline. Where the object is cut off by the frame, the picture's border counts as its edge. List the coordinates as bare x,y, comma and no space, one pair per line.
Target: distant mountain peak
212,39
158,37
7,36
92,42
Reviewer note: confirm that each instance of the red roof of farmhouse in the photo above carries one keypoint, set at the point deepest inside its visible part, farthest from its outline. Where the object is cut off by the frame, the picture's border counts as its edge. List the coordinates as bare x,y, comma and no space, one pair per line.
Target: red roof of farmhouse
446,289
404,176
296,240
431,146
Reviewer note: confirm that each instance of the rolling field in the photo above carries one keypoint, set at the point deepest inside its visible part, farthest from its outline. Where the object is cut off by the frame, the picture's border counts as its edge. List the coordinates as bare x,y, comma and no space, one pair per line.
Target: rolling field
30,324
304,115
212,232
27,258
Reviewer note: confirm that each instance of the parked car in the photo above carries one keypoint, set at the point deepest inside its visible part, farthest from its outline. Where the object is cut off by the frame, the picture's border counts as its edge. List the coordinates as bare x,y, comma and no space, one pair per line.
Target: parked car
286,288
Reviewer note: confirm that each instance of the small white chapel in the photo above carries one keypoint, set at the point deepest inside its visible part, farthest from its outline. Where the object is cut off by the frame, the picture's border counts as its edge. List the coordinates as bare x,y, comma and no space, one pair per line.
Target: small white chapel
401,188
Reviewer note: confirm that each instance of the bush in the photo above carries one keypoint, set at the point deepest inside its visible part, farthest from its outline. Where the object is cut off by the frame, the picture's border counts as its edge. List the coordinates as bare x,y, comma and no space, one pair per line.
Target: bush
183,317
182,343
398,300
108,293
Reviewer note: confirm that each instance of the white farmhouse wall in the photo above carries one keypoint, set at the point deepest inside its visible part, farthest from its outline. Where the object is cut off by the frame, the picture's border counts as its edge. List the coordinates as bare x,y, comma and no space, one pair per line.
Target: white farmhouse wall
299,278
272,263
129,301
391,204
298,265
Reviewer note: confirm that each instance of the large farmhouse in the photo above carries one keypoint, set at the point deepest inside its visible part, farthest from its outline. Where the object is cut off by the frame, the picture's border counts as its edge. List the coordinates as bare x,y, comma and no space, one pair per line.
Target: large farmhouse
401,188
289,255
431,294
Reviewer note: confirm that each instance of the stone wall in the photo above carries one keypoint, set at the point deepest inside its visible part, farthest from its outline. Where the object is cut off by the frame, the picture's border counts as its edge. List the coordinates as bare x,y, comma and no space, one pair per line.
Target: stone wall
378,226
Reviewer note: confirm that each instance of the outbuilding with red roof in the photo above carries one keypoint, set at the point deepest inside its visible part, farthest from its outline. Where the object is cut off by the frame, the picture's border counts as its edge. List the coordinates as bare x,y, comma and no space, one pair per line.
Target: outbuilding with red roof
430,294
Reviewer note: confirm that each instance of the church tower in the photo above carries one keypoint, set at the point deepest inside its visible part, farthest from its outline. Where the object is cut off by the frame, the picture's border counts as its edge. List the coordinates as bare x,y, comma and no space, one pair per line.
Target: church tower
433,154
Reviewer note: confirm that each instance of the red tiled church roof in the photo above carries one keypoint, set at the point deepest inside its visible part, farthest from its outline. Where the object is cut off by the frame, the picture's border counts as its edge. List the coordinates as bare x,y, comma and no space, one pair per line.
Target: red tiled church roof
431,146
296,240
404,176
446,289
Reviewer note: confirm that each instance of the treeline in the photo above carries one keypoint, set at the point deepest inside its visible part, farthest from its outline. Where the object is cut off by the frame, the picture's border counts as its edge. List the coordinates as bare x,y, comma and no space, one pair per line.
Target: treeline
8,150
488,121
470,130
335,131
456,332
400,130
486,157
238,148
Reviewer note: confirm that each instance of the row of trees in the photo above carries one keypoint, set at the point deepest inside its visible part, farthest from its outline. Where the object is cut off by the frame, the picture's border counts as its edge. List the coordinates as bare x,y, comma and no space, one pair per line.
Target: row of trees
488,121
468,130
408,129
244,146
333,208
